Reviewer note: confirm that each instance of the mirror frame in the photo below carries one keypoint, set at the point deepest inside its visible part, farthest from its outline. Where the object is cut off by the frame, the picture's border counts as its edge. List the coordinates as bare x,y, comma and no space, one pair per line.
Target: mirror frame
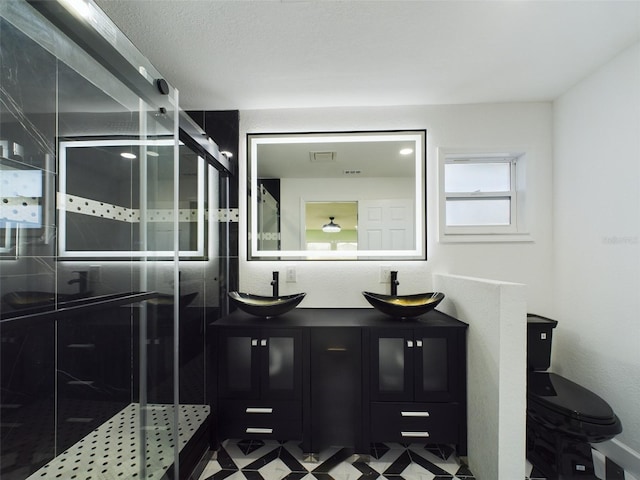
254,140
63,206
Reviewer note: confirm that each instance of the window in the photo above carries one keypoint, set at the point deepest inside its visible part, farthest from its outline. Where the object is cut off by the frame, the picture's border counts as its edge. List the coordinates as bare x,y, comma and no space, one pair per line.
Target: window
480,196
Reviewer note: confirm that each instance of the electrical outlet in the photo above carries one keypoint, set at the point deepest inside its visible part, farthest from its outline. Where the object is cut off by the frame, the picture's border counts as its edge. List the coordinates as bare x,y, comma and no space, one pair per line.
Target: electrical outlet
385,274
291,274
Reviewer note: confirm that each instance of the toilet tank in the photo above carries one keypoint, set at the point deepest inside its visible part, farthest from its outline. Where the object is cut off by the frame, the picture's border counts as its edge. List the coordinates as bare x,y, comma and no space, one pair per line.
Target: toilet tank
539,334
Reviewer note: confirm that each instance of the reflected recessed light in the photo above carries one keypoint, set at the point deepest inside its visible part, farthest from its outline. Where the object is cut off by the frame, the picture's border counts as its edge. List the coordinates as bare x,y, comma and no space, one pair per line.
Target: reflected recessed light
128,155
406,151
151,153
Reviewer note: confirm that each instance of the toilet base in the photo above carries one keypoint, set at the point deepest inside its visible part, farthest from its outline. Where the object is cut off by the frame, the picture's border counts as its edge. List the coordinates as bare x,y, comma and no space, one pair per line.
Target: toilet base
557,456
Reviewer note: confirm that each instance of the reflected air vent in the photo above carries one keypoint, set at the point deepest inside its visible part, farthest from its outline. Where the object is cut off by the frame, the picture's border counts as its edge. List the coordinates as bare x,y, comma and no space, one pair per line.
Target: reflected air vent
352,172
323,157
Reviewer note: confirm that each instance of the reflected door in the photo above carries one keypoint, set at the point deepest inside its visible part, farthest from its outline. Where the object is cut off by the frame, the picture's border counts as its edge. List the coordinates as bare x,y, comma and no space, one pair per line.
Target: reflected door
386,224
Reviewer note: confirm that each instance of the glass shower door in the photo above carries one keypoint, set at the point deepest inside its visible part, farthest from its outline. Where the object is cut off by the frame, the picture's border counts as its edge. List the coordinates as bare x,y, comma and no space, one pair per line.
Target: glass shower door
90,279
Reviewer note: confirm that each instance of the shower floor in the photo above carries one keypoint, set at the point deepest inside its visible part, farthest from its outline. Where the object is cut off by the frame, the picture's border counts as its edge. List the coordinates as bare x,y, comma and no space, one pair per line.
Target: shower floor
115,449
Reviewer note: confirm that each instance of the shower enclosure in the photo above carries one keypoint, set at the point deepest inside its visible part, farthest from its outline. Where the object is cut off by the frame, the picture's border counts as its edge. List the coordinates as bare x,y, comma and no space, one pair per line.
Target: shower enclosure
110,254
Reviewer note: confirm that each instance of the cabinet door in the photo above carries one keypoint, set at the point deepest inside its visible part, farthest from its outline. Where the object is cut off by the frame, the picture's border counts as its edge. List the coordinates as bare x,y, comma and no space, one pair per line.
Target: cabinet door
238,366
435,365
392,361
280,364
336,388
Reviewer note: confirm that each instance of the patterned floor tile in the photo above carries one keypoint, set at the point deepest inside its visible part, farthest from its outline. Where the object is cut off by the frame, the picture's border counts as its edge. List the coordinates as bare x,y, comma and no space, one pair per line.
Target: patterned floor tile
244,460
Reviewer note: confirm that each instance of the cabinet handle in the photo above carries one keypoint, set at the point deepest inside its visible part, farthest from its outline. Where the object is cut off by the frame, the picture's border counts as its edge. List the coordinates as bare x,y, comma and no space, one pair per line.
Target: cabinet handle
415,434
336,349
414,414
258,430
418,343
409,343
81,345
254,342
263,342
259,410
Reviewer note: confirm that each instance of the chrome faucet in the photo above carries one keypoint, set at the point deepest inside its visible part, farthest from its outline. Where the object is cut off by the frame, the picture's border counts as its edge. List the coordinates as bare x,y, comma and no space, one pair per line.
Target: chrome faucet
275,284
394,282
82,281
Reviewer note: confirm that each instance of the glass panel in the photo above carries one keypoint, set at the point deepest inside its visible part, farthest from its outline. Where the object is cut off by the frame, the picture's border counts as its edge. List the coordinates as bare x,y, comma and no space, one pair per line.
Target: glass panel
480,211
281,363
239,363
80,376
434,364
391,364
477,177
28,433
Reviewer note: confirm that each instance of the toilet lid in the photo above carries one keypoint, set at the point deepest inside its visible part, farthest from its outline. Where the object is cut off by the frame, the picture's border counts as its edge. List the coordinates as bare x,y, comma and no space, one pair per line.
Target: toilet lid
568,398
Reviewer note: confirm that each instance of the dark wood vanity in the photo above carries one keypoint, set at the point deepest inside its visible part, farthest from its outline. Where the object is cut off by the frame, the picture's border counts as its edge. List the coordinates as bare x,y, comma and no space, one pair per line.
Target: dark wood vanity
340,376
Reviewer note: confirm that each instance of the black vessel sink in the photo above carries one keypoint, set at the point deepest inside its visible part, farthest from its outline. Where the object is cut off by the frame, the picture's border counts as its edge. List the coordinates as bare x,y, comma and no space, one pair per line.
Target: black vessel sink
265,306
404,306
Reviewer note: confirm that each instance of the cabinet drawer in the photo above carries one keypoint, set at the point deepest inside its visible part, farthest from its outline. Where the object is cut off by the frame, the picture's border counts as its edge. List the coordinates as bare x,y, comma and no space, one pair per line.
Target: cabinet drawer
250,427
419,422
277,410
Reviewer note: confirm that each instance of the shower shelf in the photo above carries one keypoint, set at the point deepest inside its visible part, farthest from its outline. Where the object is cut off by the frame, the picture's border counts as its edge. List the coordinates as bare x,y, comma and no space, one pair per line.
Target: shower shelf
78,306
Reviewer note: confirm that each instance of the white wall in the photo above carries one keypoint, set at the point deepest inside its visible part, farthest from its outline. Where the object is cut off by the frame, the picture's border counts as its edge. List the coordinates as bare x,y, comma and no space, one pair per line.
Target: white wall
520,127
496,371
597,239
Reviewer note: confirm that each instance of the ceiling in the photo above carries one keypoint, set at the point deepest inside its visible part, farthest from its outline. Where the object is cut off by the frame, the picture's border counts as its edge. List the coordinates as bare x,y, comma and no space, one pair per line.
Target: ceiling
227,55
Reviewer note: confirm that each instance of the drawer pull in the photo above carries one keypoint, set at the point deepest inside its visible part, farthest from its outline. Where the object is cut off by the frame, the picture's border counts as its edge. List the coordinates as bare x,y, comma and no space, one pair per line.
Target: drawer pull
414,414
259,410
336,349
415,434
258,430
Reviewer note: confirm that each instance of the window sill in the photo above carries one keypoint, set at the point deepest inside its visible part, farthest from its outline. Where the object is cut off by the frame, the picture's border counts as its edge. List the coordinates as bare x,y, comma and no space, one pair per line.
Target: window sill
486,238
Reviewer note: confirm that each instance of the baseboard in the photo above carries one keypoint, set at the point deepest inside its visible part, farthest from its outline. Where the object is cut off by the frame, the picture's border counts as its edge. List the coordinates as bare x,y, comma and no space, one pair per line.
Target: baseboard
620,453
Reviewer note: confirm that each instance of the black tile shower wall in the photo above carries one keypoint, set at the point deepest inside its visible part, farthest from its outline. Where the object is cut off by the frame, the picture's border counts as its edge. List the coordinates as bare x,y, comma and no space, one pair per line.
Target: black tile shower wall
223,127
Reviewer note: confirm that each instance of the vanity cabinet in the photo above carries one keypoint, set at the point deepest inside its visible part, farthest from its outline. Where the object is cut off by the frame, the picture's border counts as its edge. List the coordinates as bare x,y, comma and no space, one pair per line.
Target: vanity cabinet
418,385
341,376
260,383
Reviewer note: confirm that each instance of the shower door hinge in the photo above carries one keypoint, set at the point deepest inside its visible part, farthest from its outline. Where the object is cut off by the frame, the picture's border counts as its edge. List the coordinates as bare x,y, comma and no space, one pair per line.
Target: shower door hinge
227,215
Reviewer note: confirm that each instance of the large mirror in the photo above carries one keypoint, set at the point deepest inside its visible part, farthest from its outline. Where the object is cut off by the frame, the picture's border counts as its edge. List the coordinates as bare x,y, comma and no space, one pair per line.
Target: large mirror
344,195
115,194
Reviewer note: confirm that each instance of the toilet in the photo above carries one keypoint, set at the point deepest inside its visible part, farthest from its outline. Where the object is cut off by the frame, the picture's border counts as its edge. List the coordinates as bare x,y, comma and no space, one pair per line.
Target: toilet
563,418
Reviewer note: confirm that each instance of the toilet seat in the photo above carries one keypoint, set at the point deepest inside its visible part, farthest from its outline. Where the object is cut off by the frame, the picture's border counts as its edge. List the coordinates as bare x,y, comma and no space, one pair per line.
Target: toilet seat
563,404
568,398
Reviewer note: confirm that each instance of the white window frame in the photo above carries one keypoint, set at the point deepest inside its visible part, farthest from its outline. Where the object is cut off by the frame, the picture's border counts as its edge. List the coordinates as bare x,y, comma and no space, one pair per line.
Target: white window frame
516,230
